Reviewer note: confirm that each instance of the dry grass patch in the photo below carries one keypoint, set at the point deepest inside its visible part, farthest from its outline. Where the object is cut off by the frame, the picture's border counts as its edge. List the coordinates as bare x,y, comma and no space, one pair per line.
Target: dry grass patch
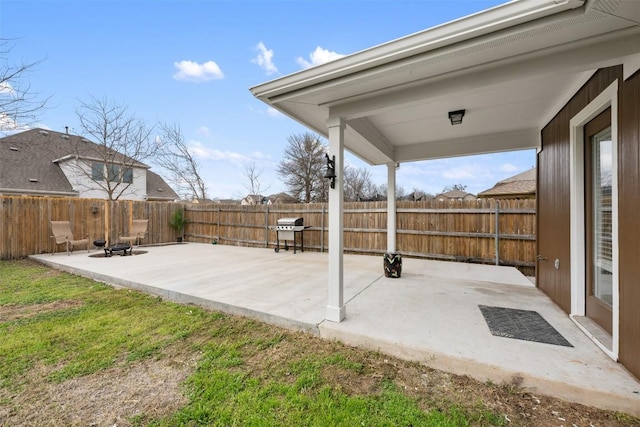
12,312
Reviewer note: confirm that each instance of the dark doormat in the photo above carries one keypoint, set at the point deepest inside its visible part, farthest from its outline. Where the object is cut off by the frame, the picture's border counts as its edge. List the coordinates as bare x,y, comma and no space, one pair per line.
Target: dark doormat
522,325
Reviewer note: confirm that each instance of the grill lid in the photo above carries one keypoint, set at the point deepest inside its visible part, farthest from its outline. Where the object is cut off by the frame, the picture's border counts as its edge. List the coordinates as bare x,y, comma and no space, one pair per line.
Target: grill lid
291,221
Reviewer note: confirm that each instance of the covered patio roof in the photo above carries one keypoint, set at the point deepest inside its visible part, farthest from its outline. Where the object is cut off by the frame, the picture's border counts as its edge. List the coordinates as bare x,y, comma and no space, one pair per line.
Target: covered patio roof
510,67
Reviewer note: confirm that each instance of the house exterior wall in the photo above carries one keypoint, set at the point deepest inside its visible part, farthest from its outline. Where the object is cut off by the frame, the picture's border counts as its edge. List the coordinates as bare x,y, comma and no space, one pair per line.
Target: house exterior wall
629,222
554,220
78,173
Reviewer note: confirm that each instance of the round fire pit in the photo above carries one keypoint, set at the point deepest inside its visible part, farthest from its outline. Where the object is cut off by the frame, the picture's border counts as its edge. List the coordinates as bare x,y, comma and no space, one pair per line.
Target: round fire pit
98,243
118,247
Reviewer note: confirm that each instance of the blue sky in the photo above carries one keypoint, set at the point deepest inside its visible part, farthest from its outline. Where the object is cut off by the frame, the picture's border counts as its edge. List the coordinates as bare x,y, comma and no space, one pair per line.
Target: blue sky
193,62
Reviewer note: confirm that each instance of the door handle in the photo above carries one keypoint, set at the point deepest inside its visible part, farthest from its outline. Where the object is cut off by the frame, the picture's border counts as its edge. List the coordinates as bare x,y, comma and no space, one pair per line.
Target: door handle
541,258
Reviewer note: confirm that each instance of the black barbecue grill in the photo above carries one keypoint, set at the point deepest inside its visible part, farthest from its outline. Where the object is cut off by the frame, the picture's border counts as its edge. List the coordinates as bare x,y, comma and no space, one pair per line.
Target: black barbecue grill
287,230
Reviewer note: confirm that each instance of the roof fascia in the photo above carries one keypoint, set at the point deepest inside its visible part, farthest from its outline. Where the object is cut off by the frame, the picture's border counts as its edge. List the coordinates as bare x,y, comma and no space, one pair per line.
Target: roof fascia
96,159
470,27
23,191
159,199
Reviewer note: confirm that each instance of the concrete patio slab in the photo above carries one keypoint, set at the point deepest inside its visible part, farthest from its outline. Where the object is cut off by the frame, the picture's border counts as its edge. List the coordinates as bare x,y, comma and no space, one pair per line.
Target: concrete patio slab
429,315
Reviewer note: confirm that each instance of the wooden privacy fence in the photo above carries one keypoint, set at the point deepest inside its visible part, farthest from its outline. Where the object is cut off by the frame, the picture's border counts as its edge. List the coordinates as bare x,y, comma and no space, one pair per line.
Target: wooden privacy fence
25,227
482,231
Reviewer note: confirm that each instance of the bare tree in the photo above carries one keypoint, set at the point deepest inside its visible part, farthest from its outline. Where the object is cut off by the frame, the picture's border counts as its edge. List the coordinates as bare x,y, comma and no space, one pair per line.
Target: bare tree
116,144
420,195
459,187
18,105
181,165
358,184
382,190
303,168
254,184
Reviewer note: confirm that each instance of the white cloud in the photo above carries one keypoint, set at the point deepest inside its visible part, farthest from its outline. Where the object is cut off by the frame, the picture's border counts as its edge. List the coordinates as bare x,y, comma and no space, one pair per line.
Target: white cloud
193,72
318,56
265,59
269,111
259,155
433,175
272,112
508,167
416,169
203,130
199,150
465,171
227,155
8,124
6,88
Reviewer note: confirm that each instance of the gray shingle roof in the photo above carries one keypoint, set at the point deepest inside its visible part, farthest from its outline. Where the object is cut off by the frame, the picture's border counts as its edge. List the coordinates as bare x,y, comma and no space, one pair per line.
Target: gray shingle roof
158,189
520,185
454,194
27,163
280,198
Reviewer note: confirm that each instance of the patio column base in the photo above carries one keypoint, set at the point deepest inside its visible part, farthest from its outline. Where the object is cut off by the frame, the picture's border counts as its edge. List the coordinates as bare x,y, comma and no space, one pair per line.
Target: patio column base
336,314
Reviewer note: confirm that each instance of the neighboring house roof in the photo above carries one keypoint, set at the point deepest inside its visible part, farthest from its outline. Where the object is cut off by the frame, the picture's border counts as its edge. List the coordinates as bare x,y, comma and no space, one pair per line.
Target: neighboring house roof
26,165
522,185
455,194
228,201
30,164
255,199
375,198
201,201
282,198
415,196
158,189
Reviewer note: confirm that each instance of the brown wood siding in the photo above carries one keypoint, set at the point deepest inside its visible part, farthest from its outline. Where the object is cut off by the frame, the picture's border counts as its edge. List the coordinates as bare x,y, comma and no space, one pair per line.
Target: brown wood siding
553,205
553,214
629,222
554,188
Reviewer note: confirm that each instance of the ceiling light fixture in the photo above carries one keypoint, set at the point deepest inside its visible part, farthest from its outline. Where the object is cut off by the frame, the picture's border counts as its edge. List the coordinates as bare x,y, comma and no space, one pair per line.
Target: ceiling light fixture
456,116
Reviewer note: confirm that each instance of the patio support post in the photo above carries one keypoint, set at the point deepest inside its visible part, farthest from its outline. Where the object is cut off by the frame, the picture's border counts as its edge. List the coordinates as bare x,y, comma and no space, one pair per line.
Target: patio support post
391,207
497,227
336,310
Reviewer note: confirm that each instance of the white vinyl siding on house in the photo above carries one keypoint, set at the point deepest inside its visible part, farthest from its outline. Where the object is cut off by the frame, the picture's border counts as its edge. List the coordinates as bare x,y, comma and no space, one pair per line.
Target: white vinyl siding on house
88,178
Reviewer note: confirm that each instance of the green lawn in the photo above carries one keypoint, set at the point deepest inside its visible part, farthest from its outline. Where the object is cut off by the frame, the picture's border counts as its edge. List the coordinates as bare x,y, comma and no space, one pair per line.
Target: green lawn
245,373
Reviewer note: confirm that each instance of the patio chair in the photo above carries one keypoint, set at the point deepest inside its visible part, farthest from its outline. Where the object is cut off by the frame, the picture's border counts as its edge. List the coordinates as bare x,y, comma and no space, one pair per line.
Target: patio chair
137,232
62,234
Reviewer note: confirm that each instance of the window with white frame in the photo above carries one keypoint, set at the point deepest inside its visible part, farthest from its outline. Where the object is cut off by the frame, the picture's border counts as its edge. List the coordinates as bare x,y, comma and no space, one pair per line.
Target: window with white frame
111,172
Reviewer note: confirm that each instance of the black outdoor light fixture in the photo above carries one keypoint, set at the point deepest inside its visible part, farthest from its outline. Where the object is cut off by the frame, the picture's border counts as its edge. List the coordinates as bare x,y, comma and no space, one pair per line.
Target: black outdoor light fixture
456,117
331,170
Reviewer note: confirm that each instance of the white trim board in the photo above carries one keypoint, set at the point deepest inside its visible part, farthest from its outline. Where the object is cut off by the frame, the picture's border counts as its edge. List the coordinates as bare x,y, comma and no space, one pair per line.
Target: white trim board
608,98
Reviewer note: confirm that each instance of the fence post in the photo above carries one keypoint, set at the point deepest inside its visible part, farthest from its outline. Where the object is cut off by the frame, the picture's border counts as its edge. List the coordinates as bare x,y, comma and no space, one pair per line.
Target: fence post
218,226
322,230
266,228
497,230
